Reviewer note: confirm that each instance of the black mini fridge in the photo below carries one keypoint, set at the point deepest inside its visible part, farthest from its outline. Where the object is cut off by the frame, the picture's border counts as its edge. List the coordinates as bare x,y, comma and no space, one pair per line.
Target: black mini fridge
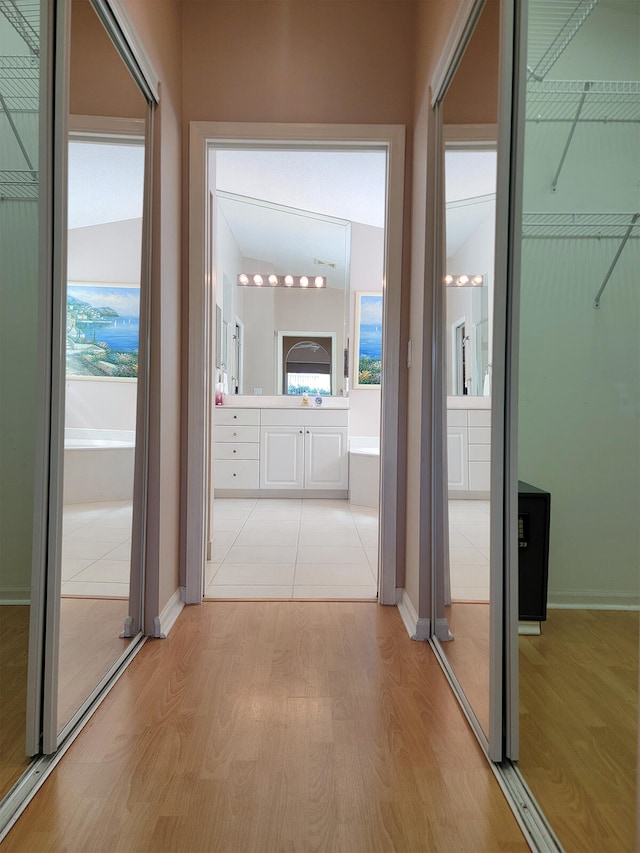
534,513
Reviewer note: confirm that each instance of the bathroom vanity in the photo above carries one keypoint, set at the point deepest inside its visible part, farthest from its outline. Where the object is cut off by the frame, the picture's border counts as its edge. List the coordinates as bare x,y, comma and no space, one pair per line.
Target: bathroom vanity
281,450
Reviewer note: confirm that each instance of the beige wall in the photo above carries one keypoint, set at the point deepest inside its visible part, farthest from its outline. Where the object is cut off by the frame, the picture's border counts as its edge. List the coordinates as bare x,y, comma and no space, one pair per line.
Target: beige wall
158,22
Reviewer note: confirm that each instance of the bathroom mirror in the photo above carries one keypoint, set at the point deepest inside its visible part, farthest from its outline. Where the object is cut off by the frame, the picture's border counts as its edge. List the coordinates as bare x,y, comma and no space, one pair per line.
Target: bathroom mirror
290,213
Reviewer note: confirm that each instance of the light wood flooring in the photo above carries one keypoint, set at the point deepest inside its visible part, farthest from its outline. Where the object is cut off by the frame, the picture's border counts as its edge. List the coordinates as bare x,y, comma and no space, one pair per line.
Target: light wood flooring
14,650
468,653
275,726
579,726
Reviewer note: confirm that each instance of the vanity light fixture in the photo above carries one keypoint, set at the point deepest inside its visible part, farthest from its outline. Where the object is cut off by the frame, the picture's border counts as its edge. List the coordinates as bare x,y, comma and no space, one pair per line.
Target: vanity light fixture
463,280
274,280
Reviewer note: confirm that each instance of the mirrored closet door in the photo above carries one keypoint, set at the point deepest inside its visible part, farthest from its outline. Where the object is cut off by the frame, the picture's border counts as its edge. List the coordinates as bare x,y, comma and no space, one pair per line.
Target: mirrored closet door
578,436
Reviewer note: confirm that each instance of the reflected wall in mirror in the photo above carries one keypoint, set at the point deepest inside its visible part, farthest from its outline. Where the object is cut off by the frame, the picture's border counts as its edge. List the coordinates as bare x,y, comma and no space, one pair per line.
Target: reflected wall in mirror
578,420
19,241
299,213
469,112
106,158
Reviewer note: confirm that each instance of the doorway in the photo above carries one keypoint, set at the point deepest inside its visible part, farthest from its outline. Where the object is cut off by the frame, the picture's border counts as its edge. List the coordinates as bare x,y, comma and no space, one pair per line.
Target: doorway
310,142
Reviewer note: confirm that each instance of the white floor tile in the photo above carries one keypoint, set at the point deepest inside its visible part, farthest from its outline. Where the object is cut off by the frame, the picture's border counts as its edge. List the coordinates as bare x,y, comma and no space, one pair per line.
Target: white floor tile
330,555
210,570
261,574
332,538
323,574
469,593
258,554
93,533
72,567
96,590
466,557
249,592
109,571
120,552
369,538
372,557
268,537
85,550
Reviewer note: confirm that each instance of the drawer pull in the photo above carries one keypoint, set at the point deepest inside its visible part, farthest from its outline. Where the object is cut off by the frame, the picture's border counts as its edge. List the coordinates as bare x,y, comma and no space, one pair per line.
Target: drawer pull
235,451
234,417
235,433
235,475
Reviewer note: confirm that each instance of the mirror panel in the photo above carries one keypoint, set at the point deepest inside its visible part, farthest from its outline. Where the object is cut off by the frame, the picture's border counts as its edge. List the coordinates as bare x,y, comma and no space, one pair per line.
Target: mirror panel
469,114
106,159
19,384
579,424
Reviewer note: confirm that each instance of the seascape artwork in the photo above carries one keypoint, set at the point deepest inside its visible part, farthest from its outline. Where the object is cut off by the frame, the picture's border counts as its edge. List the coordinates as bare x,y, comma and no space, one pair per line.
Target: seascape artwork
368,340
103,331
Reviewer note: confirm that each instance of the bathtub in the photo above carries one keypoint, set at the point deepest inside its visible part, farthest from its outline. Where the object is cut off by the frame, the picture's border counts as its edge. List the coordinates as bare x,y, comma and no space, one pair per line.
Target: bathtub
364,470
98,465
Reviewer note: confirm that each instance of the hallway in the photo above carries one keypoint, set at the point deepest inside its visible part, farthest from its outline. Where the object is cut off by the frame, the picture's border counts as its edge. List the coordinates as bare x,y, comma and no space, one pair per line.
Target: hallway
260,726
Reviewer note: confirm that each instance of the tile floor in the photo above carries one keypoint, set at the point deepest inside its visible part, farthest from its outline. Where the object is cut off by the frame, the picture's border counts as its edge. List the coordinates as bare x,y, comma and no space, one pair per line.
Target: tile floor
96,549
469,550
293,549
272,549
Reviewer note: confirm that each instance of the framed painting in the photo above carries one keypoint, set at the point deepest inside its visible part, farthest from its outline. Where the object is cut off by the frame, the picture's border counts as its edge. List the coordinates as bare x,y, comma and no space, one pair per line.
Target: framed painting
102,330
368,340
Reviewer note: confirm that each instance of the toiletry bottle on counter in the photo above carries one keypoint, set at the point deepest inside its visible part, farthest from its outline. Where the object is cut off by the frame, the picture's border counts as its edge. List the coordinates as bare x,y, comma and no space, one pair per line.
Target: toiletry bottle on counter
305,399
219,394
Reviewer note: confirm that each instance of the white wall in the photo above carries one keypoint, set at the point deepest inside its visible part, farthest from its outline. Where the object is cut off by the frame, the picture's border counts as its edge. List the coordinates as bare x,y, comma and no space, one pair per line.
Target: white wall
107,253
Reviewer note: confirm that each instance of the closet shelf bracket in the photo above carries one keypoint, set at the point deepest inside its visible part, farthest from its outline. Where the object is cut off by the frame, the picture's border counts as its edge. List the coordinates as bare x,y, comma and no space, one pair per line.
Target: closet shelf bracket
634,219
574,123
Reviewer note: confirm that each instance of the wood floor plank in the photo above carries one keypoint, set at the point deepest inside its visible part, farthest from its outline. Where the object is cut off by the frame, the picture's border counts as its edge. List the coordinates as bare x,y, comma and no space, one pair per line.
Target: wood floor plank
275,726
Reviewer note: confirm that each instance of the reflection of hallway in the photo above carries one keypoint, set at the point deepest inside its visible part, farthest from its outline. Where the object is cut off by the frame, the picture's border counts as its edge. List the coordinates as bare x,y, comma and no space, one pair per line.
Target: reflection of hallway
469,550
293,549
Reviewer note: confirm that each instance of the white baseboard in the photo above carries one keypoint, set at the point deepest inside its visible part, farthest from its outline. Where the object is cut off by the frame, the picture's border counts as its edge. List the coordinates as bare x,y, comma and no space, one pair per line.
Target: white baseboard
15,595
163,623
418,629
592,599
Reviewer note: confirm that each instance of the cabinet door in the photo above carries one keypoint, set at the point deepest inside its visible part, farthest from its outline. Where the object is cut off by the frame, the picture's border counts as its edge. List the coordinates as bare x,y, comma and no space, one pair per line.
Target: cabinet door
281,457
326,463
458,458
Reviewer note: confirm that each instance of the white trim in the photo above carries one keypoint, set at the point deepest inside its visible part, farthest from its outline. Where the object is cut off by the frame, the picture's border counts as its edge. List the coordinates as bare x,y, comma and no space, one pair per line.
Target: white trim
457,39
593,599
106,126
163,623
312,136
418,629
470,135
15,595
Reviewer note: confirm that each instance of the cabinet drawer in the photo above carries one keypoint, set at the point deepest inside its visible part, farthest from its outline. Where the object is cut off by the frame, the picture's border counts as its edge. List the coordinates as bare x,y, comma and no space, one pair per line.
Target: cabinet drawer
479,476
480,418
236,450
479,452
456,417
236,474
227,416
237,433
305,417
479,435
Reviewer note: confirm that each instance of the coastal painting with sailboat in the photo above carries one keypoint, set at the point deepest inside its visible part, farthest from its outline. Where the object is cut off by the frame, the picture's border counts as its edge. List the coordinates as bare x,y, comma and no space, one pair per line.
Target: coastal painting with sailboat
368,340
103,330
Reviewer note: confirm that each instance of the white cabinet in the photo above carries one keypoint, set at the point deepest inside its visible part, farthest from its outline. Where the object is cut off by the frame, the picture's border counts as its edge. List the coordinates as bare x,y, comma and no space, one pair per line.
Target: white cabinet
326,462
282,457
469,450
273,450
304,450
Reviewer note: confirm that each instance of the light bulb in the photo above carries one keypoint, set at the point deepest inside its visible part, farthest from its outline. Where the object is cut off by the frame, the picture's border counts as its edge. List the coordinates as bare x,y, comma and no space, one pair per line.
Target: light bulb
288,280
319,281
257,279
304,281
243,279
273,280
464,279
448,279
477,279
